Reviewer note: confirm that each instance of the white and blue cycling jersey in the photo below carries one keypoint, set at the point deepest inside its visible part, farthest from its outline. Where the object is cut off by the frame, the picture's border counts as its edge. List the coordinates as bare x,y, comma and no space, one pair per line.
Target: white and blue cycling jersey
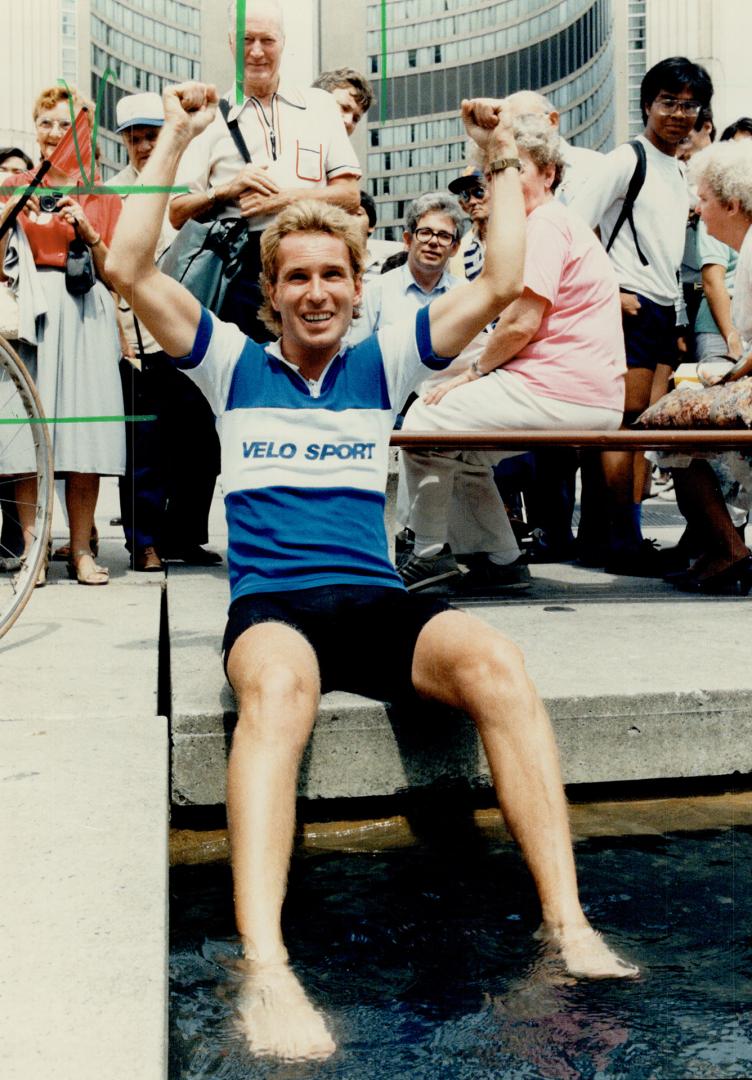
304,466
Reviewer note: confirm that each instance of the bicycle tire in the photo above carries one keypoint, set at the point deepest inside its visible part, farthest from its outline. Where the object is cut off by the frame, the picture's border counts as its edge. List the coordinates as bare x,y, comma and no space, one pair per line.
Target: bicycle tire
22,418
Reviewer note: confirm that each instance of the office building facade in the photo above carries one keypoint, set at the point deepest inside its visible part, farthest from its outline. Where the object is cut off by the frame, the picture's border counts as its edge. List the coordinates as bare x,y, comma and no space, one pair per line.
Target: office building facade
426,55
40,43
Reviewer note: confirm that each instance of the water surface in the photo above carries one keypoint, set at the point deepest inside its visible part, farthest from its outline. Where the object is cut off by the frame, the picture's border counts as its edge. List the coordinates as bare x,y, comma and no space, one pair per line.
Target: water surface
423,961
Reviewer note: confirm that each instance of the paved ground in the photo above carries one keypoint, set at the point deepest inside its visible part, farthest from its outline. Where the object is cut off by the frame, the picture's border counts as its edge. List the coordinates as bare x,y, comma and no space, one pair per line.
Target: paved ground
640,681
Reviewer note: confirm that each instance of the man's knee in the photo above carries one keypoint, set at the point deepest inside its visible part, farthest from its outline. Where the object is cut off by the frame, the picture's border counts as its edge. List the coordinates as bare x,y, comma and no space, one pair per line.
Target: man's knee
492,672
278,702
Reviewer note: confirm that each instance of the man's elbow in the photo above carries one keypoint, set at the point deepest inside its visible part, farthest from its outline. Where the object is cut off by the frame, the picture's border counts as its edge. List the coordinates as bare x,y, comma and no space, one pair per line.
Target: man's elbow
120,271
176,211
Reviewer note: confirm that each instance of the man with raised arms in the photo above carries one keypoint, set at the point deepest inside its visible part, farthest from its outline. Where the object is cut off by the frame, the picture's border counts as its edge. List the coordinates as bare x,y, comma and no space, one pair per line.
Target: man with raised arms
304,425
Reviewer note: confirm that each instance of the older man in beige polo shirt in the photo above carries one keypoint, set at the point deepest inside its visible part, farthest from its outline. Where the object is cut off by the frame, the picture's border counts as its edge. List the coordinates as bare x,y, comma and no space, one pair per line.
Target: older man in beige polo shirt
298,149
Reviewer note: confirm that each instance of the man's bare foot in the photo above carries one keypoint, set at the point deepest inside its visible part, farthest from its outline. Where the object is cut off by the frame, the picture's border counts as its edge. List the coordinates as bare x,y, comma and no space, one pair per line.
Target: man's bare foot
584,954
277,1018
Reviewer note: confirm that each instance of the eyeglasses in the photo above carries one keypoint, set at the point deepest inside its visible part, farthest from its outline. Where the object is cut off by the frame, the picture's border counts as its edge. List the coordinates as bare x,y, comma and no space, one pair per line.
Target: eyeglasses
425,235
48,125
670,105
472,193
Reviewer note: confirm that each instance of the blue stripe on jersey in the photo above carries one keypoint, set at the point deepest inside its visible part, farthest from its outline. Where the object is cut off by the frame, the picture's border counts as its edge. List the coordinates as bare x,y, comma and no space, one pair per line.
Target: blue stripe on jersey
355,380
286,538
201,343
425,346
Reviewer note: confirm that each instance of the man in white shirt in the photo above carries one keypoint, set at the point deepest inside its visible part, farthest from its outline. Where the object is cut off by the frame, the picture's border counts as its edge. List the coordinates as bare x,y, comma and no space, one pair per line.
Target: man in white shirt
298,149
646,254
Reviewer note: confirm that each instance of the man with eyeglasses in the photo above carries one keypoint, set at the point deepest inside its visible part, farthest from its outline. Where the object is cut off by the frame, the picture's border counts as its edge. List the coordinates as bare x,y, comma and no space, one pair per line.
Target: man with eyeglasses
646,254
434,225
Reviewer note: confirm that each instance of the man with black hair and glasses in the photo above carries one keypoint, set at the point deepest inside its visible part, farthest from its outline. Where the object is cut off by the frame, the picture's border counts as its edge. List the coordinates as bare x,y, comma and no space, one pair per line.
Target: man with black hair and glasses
646,253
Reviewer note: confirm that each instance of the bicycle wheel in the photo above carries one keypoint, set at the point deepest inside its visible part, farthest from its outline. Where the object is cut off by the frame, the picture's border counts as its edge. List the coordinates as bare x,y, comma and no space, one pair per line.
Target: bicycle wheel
24,451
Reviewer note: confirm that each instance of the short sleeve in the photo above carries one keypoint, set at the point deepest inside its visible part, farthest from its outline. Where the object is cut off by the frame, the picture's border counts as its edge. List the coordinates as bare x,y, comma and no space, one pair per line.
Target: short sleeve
546,253
211,363
711,252
604,187
407,352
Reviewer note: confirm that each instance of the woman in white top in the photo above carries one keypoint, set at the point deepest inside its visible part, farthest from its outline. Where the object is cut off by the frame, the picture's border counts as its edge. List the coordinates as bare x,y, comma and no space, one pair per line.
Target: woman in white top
724,190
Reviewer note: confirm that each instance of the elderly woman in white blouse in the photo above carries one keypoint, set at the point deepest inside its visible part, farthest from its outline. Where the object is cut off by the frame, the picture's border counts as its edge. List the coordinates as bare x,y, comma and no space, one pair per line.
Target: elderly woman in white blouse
723,175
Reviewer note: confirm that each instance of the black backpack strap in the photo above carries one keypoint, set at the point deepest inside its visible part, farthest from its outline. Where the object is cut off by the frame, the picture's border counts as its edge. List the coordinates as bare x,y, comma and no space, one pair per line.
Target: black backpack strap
237,138
635,186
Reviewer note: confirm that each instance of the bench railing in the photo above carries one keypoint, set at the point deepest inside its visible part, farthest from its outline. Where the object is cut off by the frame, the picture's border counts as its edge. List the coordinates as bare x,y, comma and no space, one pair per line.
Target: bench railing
622,439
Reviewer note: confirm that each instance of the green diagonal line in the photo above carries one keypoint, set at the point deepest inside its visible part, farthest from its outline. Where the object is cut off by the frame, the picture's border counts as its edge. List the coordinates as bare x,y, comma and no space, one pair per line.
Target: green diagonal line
118,189
239,51
382,110
76,419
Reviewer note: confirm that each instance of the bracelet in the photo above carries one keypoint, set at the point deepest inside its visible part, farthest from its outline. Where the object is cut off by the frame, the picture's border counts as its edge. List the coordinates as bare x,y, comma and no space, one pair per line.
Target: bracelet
505,163
97,241
475,368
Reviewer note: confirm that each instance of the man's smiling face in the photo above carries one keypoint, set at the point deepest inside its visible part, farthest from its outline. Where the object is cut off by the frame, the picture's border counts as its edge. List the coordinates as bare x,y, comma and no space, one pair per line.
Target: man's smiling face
315,293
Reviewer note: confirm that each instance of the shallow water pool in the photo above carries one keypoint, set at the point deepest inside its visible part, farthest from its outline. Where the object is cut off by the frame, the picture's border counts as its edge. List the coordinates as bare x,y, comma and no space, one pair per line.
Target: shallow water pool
423,961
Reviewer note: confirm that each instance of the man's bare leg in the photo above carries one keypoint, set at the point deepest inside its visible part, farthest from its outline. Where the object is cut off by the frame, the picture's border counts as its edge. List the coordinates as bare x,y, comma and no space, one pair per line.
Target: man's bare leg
274,673
464,663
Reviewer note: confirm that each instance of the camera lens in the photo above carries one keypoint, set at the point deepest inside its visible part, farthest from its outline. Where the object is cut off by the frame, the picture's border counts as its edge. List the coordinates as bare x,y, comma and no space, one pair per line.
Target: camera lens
48,203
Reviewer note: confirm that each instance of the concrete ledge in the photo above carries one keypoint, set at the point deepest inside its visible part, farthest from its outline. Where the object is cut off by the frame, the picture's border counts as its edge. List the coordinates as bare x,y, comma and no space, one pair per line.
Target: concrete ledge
637,690
83,910
358,749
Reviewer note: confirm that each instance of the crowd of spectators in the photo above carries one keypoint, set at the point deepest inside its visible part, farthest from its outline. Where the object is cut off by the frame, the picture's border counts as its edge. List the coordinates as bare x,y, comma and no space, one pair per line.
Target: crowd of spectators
662,295
542,291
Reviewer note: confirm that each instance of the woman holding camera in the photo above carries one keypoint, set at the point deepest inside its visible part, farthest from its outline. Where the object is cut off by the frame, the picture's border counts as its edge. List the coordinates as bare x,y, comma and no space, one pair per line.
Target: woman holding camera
74,360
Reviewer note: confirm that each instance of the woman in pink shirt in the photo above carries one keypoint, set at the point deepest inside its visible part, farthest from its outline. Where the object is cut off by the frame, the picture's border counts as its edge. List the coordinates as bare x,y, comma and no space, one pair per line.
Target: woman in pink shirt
555,359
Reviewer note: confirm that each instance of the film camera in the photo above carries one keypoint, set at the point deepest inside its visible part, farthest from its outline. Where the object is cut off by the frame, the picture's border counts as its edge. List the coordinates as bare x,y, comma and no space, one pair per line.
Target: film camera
49,203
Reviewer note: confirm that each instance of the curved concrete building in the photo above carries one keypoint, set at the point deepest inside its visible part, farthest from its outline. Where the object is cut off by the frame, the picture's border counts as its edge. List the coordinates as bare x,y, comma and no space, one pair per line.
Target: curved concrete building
146,44
424,56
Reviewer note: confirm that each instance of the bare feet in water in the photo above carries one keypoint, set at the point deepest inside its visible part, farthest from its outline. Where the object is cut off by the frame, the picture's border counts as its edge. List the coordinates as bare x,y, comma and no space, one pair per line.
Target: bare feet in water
583,954
277,1018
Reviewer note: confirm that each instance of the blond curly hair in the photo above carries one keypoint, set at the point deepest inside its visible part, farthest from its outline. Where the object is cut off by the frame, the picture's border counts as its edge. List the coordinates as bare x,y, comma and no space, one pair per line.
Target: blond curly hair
306,216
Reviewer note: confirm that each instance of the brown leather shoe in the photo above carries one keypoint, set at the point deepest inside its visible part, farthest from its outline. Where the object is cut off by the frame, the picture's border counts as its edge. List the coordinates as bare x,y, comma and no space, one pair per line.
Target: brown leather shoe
147,561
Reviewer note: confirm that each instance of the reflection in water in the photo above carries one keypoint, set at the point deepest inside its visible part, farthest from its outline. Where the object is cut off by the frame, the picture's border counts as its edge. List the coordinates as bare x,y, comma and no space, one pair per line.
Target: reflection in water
424,963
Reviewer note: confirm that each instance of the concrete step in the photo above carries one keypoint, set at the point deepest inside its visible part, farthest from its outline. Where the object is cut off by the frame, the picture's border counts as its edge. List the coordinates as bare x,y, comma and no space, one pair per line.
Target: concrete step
84,802
83,909
641,683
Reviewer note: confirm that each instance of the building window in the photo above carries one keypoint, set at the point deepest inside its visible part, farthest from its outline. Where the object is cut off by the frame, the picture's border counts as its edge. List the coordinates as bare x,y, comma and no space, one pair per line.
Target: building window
412,58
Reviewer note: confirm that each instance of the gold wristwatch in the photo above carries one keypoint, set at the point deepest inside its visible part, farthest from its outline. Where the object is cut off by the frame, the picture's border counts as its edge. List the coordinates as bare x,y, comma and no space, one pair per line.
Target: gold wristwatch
505,163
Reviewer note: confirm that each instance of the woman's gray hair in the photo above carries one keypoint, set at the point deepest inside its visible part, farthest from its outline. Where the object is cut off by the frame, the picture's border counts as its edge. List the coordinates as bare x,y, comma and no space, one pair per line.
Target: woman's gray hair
726,168
541,141
251,5
438,202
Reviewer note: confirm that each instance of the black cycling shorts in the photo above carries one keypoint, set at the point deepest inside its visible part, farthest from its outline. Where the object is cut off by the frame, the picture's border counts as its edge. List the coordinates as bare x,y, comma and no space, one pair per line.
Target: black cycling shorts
363,636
